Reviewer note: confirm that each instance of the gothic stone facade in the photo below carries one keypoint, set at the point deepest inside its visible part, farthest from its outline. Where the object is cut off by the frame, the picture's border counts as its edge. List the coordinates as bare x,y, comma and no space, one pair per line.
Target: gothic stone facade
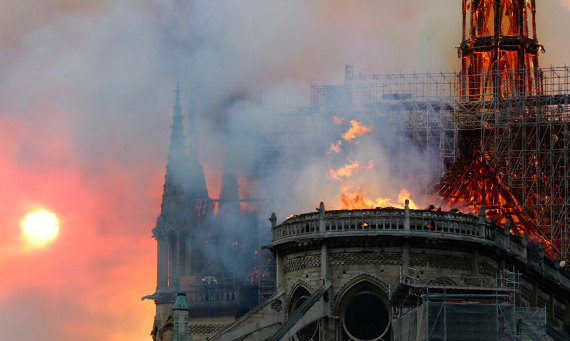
337,270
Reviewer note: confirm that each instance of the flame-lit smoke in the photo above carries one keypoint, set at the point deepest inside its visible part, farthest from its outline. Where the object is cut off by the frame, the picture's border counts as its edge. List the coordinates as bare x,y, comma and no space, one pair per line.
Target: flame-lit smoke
335,147
356,129
351,189
352,198
102,72
346,171
337,120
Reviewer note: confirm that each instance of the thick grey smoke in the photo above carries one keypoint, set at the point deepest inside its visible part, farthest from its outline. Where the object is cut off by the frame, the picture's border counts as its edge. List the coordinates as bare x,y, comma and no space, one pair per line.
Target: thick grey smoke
92,83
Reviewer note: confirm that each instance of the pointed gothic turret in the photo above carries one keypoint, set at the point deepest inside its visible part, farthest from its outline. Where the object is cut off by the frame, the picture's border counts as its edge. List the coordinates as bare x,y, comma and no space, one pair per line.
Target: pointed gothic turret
173,198
174,214
184,184
199,254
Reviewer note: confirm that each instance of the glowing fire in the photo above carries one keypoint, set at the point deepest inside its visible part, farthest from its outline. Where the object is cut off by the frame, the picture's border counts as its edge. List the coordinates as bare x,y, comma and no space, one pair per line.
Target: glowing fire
253,274
489,72
356,129
354,172
352,199
347,170
479,184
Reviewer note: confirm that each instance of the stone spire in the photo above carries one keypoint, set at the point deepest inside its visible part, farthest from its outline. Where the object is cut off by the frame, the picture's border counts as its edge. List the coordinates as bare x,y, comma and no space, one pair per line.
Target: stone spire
172,197
174,202
174,222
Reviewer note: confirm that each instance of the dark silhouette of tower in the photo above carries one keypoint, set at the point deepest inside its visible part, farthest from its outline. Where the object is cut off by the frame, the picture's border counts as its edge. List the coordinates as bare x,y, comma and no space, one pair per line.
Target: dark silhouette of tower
184,185
202,256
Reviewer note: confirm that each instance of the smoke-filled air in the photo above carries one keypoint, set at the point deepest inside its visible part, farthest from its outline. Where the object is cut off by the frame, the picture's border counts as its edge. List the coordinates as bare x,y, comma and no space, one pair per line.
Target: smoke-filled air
86,97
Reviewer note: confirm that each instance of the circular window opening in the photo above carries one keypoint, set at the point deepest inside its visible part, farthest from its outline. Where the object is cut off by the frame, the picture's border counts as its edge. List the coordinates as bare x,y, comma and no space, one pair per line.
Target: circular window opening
366,316
310,331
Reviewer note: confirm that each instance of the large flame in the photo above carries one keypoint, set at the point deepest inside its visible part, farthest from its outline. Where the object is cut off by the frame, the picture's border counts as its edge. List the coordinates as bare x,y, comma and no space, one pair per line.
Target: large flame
354,175
353,199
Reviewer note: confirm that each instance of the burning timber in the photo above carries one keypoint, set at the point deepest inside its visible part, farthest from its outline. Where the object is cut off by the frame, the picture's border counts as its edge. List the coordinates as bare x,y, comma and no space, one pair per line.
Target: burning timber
402,274
512,149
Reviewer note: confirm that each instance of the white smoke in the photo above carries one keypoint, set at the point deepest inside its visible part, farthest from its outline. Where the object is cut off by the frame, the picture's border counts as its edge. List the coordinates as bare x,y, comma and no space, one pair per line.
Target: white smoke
98,77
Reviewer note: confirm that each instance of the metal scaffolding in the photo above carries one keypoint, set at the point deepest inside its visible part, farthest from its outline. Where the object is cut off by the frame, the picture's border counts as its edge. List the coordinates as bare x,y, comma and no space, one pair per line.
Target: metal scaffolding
431,306
522,139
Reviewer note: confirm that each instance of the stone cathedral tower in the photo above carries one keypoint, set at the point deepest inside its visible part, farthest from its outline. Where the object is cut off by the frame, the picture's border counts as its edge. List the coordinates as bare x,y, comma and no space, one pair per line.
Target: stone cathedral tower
201,257
184,185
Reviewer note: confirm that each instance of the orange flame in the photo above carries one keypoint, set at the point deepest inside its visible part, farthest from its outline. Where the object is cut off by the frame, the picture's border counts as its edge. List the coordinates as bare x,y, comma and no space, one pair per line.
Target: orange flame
347,170
356,129
352,199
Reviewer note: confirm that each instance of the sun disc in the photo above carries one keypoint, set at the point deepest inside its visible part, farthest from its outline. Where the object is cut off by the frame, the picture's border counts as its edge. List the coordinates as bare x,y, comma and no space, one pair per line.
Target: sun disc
40,228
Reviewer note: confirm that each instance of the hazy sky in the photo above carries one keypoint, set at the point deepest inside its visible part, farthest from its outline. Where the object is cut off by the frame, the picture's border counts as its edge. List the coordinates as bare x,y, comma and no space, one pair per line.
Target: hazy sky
86,95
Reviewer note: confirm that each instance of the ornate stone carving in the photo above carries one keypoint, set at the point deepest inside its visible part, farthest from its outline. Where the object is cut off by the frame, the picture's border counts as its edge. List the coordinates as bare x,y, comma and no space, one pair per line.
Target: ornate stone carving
205,329
366,258
441,261
302,263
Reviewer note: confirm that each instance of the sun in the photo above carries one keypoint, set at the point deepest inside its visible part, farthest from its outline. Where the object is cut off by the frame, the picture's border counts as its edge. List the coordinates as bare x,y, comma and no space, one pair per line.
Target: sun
40,228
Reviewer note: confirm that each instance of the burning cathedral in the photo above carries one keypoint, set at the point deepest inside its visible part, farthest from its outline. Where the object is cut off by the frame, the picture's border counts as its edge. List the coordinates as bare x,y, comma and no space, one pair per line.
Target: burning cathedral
482,263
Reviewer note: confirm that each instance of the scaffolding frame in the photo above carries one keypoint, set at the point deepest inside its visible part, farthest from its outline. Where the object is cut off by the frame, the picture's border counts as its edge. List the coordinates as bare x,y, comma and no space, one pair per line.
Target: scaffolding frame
431,306
522,134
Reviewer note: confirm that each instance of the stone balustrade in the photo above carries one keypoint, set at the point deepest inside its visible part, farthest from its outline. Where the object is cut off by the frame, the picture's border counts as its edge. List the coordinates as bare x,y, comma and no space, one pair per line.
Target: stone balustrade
392,222
379,222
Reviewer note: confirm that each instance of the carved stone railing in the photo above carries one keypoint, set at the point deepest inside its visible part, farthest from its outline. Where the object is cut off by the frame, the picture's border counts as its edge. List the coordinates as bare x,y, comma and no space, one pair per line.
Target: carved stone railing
380,221
416,223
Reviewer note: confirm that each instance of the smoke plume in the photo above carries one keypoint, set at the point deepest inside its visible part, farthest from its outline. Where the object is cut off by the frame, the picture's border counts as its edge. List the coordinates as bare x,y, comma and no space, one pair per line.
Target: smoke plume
86,105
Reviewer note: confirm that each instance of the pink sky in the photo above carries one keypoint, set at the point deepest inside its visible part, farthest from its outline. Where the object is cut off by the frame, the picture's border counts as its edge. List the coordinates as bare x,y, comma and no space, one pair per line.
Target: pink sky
85,112
90,280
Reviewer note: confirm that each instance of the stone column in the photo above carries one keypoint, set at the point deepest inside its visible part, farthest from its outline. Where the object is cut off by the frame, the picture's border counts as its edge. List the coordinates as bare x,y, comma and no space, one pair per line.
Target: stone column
189,254
482,221
162,264
507,234
159,270
279,272
325,276
173,261
407,216
321,210
476,262
406,253
567,315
